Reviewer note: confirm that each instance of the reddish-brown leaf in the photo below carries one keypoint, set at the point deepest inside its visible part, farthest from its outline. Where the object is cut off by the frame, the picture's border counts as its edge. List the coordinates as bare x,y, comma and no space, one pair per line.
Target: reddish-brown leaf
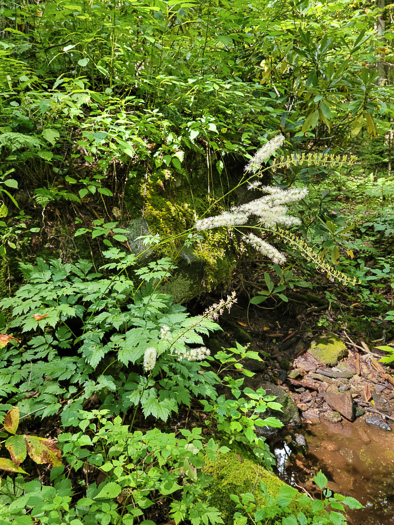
42,450
16,446
38,317
11,420
9,465
5,339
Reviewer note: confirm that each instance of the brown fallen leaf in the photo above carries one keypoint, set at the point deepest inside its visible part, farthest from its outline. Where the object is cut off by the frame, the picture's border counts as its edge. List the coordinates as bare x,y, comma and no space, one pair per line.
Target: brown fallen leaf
38,317
5,339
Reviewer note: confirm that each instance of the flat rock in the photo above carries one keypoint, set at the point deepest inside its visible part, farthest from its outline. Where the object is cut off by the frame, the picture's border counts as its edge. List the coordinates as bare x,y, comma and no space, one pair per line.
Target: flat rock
328,350
341,402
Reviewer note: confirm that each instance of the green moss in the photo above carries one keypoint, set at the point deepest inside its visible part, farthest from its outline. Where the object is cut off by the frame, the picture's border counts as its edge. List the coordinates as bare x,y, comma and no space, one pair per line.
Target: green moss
170,209
328,350
234,473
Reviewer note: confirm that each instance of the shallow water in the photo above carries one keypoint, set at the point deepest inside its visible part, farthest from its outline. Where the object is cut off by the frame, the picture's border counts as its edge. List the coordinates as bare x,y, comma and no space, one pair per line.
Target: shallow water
358,460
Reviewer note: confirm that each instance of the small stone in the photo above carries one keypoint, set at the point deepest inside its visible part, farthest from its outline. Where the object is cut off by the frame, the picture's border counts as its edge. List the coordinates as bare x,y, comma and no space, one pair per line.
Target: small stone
341,402
358,412
343,387
294,374
284,363
300,440
311,415
375,420
332,416
303,407
380,388
329,445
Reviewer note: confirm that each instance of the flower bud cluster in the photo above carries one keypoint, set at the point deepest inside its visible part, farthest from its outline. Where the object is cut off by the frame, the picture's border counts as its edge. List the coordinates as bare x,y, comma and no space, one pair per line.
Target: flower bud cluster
265,248
217,309
269,209
165,332
193,354
150,357
264,153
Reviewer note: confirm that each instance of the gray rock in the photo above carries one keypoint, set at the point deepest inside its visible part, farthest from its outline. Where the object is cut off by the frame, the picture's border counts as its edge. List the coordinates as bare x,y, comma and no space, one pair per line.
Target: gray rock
375,420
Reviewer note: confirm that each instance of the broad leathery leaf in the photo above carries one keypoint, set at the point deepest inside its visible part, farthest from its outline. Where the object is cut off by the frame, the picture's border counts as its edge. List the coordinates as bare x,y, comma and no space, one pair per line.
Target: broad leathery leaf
110,490
11,420
16,446
310,121
370,125
325,110
9,466
42,450
357,125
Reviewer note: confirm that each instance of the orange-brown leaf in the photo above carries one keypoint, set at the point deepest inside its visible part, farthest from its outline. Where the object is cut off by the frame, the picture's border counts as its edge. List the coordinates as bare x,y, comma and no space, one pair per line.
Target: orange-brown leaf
38,317
5,339
42,450
11,420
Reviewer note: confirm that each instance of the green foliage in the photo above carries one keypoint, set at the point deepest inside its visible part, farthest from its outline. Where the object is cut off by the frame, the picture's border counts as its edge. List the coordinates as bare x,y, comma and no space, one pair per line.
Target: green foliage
286,279
284,505
72,319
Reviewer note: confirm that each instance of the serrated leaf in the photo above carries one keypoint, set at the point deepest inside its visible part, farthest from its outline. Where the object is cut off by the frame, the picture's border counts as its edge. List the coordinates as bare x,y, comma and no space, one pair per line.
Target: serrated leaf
274,405
152,406
110,490
352,503
42,450
16,446
271,422
9,466
11,420
320,480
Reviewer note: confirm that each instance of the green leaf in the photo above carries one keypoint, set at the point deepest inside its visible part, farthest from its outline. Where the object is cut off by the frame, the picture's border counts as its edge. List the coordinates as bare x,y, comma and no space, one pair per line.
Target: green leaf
310,121
155,408
83,62
320,480
352,503
9,466
51,135
290,520
258,299
16,446
109,491
105,191
325,110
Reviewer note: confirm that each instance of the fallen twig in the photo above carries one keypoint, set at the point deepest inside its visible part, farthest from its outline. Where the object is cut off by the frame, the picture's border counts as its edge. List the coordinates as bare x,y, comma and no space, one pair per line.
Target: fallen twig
374,410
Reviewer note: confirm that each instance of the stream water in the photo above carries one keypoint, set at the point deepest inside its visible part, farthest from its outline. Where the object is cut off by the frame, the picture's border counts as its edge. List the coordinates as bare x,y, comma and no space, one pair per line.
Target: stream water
358,460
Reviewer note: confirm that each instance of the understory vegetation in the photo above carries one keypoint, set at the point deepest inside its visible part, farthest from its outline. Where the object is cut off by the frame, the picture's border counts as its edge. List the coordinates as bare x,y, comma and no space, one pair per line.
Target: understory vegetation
250,142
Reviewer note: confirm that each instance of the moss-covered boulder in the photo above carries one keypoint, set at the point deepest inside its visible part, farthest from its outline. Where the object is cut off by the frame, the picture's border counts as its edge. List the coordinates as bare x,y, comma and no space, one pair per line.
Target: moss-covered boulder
234,473
328,350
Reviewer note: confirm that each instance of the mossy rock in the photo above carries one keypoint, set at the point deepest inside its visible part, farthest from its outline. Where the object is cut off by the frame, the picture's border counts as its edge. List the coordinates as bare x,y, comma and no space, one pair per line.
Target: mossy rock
234,473
328,350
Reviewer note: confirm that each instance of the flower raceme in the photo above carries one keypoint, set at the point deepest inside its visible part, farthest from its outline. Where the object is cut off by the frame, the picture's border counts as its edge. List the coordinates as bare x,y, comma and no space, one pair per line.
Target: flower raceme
267,211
